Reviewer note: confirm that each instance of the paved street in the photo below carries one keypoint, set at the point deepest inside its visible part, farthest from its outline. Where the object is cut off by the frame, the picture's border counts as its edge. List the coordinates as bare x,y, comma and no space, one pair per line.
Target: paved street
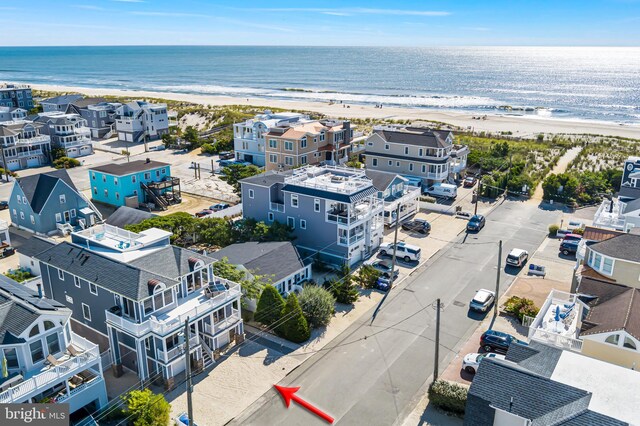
376,374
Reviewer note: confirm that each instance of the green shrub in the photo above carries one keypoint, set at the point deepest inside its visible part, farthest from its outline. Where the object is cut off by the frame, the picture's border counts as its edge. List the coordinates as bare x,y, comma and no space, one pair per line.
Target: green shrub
553,230
367,276
318,305
343,288
427,199
579,231
19,275
66,163
3,172
146,408
295,328
448,396
521,307
207,148
270,306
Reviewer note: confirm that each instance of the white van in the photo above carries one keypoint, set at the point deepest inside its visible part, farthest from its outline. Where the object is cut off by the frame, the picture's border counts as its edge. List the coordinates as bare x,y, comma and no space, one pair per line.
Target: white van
443,190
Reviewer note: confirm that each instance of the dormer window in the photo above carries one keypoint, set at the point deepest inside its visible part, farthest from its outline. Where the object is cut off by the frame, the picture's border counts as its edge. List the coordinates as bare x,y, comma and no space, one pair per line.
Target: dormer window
601,263
34,331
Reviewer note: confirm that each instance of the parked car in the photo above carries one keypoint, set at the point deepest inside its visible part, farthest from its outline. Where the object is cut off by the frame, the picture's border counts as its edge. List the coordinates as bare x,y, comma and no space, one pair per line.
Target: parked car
469,182
219,206
575,224
572,237
569,247
203,213
517,257
225,163
7,251
471,362
483,300
492,340
476,223
443,190
385,267
417,225
407,252
226,155
158,148
4,205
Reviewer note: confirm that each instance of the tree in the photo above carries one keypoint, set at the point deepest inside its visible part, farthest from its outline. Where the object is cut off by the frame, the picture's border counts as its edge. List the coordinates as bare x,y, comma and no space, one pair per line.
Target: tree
215,231
250,229
343,288
191,136
251,287
367,276
294,327
168,140
58,152
270,306
234,173
146,408
66,163
180,224
318,305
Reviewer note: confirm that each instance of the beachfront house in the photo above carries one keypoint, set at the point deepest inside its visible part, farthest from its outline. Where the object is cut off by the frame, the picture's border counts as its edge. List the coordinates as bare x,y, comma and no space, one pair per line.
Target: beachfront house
12,114
539,384
291,145
59,103
100,115
16,96
630,185
277,262
45,360
395,190
334,212
249,136
135,182
69,132
49,203
140,121
132,293
23,145
420,153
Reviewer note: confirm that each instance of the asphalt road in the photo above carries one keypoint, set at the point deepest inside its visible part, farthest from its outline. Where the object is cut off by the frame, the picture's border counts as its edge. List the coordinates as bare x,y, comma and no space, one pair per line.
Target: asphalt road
376,373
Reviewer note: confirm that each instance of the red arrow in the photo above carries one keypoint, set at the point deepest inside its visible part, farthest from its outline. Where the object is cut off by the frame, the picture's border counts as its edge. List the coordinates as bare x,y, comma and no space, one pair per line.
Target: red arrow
289,394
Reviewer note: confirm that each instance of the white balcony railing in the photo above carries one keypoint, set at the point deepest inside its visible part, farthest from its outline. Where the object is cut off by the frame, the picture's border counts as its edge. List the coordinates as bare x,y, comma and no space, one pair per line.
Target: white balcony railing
164,327
27,153
555,339
170,354
276,207
35,139
223,324
54,374
75,391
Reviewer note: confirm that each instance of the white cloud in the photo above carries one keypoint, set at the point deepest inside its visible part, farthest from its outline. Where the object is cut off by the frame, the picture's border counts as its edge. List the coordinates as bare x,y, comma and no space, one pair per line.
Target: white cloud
88,7
170,14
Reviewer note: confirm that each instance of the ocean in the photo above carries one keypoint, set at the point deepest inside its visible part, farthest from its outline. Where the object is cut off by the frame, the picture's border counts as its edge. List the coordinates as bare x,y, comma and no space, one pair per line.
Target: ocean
599,83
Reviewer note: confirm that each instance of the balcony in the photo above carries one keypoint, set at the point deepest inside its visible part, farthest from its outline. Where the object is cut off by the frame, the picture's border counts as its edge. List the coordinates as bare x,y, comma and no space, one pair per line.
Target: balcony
223,324
171,354
351,240
48,376
193,306
276,207
26,154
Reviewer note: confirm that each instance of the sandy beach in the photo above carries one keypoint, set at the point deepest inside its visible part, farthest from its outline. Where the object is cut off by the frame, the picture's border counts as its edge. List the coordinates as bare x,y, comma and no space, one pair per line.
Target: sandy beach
519,125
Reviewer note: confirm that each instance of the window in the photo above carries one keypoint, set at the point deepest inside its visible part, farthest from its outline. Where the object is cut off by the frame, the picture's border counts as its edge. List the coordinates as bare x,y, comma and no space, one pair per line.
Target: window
19,199
374,162
164,171
410,167
157,173
270,216
48,325
21,215
316,205
148,306
420,152
104,178
53,343
291,221
117,195
63,199
273,143
115,181
15,212
24,200
288,145
34,331
11,356
288,161
303,142
397,164
303,159
72,212
147,175
303,224
294,200
60,274
424,168
95,190
273,158
614,339
76,281
391,162
33,219
607,265
93,288
106,193
406,150
86,312
133,179
386,146
251,194
37,354
629,343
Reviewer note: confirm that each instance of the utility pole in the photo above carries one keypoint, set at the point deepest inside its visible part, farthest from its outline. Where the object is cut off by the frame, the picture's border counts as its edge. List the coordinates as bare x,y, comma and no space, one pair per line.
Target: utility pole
478,192
495,304
437,349
4,164
188,371
395,247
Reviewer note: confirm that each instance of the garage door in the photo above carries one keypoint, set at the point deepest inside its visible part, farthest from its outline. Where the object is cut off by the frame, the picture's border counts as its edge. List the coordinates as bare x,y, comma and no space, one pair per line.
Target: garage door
85,150
121,136
33,162
129,137
14,164
72,152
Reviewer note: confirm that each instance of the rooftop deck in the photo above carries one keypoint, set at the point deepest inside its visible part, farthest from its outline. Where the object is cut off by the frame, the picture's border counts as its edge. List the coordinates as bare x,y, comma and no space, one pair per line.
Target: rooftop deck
330,178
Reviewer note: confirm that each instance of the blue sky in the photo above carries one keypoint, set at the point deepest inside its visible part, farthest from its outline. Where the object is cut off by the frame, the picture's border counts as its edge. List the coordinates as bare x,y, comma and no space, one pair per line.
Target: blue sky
329,23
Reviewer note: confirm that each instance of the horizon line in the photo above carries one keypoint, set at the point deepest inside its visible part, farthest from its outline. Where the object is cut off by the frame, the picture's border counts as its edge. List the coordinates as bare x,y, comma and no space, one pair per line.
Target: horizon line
325,46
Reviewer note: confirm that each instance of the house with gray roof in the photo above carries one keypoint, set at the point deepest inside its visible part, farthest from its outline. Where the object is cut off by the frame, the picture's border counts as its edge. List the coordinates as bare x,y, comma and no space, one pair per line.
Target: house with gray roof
48,203
140,121
68,131
278,262
24,145
543,385
124,216
46,361
12,113
426,154
100,115
334,212
132,293
59,103
16,96
396,191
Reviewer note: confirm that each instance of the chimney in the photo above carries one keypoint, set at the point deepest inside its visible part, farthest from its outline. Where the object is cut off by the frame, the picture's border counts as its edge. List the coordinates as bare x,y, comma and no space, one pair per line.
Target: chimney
611,206
40,295
511,404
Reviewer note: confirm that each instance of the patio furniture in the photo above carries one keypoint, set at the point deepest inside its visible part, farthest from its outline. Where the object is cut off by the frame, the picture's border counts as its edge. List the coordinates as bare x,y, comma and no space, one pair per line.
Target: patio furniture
73,351
537,270
52,361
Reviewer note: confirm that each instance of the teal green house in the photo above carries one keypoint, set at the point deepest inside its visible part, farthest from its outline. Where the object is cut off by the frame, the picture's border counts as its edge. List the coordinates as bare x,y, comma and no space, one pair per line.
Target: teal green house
133,183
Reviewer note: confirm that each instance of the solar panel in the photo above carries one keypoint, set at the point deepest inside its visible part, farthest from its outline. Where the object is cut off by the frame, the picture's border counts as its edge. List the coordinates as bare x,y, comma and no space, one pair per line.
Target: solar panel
24,293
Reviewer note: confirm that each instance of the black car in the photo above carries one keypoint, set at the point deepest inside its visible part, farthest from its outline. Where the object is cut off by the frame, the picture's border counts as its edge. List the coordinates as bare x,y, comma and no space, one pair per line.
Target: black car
476,223
417,225
7,251
568,247
385,267
492,340
4,205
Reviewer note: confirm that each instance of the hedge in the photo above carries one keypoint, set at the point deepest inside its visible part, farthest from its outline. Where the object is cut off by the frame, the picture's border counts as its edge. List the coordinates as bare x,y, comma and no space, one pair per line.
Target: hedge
521,307
448,396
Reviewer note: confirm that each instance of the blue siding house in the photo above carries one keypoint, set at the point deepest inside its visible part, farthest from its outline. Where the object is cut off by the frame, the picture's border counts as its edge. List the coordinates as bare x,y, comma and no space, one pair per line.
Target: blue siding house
129,184
49,202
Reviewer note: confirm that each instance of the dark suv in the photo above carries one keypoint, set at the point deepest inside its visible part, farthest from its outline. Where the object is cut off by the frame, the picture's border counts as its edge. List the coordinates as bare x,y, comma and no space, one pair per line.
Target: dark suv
568,247
492,341
417,225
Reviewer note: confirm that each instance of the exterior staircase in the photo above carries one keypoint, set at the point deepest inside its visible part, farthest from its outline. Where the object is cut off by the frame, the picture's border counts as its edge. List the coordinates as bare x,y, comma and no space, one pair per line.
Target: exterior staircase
158,201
